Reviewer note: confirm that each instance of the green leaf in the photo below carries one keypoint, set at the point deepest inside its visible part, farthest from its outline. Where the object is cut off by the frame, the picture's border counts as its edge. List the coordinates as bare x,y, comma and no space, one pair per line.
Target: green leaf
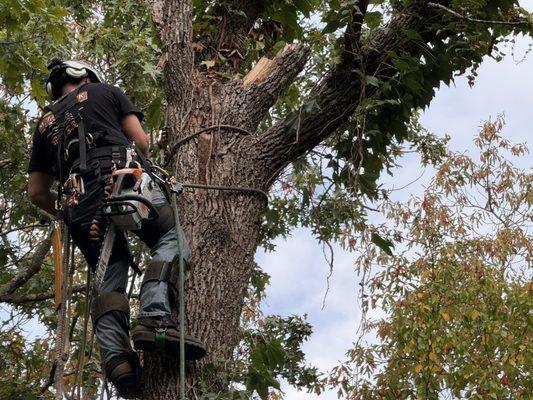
412,34
154,113
275,354
401,65
373,19
38,92
383,244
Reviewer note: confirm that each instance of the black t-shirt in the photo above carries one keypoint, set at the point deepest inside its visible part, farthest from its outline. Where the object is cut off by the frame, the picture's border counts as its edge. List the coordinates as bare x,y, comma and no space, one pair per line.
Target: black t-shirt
101,106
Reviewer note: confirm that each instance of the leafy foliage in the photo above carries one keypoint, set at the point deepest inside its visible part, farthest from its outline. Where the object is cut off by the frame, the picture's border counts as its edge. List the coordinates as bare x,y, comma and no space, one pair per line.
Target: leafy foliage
452,309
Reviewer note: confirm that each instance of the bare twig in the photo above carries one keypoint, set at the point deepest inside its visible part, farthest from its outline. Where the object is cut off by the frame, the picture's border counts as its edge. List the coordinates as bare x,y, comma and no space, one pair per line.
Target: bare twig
478,21
330,263
408,184
20,228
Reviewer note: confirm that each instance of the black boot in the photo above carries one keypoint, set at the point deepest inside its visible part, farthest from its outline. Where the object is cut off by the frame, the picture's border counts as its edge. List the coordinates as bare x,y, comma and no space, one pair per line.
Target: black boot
161,334
123,371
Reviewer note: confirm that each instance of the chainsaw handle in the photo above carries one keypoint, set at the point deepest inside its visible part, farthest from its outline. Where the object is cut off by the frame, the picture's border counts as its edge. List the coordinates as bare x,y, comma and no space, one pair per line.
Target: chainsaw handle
122,201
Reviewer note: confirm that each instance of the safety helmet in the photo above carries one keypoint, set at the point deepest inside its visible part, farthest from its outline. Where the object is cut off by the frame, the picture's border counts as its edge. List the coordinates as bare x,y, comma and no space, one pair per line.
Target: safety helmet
63,72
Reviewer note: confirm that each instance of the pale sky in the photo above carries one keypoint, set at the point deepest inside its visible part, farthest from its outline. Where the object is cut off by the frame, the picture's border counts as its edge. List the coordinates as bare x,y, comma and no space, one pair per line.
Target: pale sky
297,267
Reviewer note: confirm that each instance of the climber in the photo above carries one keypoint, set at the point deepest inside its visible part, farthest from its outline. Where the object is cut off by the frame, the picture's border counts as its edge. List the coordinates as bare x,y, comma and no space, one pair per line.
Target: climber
89,130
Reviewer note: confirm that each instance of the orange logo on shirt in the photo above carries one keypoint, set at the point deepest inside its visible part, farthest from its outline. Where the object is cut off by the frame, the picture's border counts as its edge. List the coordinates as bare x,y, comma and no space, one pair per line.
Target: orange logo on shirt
47,120
82,96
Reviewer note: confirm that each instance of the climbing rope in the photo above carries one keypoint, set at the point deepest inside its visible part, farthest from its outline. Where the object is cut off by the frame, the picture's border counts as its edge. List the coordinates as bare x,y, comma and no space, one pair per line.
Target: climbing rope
173,189
62,315
193,135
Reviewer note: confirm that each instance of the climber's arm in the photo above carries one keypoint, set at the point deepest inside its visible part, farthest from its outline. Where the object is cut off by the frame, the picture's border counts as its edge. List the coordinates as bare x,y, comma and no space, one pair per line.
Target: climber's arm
40,193
135,132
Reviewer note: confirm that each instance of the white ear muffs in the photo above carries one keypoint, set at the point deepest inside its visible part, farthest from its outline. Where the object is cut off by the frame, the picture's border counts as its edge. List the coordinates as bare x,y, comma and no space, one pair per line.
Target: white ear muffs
49,88
76,73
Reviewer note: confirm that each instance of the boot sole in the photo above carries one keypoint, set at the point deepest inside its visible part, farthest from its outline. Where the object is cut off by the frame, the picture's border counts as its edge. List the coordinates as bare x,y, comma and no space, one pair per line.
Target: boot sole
126,386
145,341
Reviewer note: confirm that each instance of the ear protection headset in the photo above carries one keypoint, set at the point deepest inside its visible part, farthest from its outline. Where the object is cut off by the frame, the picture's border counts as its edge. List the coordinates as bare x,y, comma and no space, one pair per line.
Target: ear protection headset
63,71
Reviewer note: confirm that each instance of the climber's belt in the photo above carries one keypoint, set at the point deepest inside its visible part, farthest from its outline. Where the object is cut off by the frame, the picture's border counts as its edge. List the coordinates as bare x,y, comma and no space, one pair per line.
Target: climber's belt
107,302
105,157
161,271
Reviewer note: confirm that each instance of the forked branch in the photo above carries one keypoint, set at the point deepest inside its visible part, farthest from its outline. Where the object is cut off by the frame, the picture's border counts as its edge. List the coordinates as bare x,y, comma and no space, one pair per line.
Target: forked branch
23,276
336,98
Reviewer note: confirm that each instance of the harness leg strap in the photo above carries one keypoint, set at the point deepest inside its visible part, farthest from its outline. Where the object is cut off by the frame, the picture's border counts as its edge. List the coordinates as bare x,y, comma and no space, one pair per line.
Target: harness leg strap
161,271
107,302
82,147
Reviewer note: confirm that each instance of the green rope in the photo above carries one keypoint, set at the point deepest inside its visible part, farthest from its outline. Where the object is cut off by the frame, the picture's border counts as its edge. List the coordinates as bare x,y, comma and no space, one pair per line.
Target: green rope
181,286
160,340
260,192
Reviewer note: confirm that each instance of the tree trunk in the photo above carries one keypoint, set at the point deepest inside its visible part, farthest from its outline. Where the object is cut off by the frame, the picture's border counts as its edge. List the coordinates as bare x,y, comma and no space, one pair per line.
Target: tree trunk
223,227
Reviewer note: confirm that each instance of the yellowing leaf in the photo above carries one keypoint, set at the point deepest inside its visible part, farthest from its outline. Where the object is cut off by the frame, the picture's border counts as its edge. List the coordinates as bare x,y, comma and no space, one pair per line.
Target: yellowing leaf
435,368
418,368
445,315
474,314
433,356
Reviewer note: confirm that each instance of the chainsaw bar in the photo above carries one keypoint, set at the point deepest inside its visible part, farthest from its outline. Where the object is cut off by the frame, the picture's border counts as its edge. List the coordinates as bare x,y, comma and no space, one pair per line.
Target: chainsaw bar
103,258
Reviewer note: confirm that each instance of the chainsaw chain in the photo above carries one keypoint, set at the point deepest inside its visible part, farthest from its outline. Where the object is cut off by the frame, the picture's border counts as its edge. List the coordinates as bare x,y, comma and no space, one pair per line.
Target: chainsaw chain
99,223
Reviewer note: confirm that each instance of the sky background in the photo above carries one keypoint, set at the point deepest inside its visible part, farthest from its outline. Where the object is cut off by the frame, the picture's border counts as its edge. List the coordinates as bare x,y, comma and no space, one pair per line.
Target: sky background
297,266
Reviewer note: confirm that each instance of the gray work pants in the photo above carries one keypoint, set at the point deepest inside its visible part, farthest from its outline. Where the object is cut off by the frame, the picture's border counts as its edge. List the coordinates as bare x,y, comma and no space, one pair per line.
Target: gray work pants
112,328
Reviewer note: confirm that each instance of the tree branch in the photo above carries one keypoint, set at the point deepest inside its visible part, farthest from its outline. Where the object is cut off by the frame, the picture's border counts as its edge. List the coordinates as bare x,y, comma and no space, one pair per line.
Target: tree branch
35,265
336,98
33,297
352,35
270,78
173,20
479,21
237,18
20,228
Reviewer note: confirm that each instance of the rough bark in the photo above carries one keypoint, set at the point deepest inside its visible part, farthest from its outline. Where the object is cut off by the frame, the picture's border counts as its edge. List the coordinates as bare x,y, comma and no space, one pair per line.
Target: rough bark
236,19
223,227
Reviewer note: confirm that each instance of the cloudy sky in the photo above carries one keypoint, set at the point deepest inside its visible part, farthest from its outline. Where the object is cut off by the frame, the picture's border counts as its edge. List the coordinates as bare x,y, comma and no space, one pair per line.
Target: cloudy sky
297,267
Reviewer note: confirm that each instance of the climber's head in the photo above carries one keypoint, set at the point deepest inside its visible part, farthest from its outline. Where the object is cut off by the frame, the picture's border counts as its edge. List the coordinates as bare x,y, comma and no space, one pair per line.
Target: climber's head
64,72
